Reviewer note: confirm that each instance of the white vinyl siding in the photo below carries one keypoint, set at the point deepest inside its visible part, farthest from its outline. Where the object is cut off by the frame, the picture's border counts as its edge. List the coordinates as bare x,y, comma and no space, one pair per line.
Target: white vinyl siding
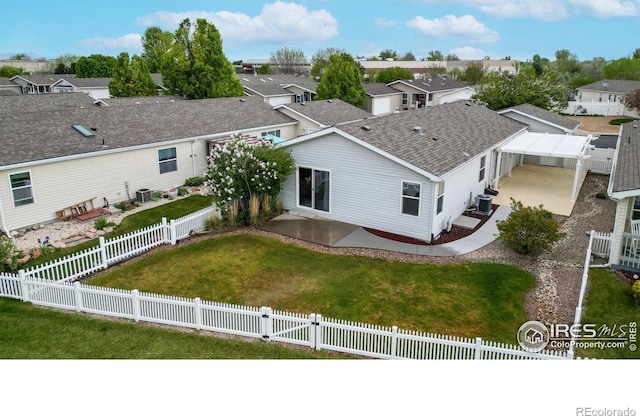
365,187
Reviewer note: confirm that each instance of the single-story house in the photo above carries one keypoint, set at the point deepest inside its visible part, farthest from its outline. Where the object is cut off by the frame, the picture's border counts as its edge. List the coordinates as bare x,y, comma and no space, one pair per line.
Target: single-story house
411,173
317,115
55,157
603,98
540,120
97,88
420,93
35,84
279,89
624,188
382,99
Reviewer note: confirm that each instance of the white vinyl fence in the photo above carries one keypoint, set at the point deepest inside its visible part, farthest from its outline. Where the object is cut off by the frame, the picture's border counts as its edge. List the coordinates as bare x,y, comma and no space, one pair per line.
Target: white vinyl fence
53,285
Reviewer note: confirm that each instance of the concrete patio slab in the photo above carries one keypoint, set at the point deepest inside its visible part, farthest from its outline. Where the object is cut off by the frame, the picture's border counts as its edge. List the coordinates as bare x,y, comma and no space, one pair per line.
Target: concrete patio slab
466,222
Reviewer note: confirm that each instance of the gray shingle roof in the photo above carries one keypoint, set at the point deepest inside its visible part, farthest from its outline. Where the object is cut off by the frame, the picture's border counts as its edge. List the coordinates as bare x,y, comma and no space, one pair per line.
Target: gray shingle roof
151,100
38,79
432,85
267,90
87,82
329,112
545,115
626,176
612,85
379,88
452,134
25,138
36,103
278,79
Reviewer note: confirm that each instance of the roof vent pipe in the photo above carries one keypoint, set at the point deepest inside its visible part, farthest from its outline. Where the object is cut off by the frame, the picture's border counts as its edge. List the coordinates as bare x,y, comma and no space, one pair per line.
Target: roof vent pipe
418,130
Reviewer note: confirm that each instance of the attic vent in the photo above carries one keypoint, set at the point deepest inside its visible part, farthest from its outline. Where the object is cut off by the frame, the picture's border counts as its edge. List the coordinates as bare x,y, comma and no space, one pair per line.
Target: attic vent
329,101
366,128
418,130
242,100
82,130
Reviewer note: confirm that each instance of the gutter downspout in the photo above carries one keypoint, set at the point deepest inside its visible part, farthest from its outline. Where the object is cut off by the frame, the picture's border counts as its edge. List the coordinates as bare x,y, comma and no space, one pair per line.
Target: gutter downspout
2,221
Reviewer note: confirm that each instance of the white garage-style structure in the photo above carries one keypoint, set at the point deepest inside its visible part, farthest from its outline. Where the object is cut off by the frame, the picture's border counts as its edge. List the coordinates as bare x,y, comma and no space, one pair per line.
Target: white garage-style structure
541,168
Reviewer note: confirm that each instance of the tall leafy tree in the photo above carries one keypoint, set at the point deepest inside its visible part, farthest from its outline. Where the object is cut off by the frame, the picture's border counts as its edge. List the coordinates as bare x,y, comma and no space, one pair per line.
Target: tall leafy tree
623,68
409,56
388,54
10,71
196,67
95,66
343,80
502,91
451,57
156,44
320,60
131,78
474,73
435,56
631,100
288,60
393,74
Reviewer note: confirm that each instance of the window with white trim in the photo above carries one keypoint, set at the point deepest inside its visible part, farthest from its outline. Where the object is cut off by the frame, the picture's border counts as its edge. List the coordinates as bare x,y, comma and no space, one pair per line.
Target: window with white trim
440,200
411,198
635,212
21,188
405,98
270,133
167,160
483,162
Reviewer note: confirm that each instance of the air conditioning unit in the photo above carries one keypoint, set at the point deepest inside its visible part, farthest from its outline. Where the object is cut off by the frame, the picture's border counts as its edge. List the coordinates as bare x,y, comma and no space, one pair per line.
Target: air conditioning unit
483,204
143,195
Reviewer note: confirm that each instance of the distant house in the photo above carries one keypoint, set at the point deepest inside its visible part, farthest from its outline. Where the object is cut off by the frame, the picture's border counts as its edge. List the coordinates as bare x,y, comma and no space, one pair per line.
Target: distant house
382,99
540,120
624,188
317,115
603,98
428,92
35,84
279,89
96,88
410,173
77,151
8,87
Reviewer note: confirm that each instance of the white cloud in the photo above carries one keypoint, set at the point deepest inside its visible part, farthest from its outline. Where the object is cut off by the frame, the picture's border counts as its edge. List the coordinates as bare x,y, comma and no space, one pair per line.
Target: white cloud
277,22
130,42
608,8
464,28
381,21
469,53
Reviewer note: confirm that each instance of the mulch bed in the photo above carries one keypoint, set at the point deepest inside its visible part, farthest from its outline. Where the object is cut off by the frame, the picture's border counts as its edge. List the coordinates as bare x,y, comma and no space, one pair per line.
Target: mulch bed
456,232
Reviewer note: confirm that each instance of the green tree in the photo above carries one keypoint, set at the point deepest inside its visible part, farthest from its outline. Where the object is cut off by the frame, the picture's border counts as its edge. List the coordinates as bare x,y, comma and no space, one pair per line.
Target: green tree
393,74
288,60
10,71
61,68
320,60
529,230
196,67
636,54
435,56
95,66
156,44
502,91
409,56
451,57
265,69
131,78
539,64
388,54
624,68
19,57
342,79
474,73
631,100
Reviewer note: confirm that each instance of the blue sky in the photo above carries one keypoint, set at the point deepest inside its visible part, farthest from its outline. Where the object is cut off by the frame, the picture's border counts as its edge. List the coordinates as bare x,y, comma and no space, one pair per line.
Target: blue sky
472,29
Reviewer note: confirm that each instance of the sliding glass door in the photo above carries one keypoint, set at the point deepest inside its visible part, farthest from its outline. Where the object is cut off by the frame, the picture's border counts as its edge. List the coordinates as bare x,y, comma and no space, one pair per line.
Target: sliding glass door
313,188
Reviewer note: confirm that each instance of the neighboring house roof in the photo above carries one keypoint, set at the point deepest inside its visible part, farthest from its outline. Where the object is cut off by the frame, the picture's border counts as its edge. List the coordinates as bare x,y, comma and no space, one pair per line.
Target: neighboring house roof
36,103
84,82
6,81
431,85
544,116
37,79
267,90
278,79
612,85
449,135
26,141
328,112
128,101
626,172
378,88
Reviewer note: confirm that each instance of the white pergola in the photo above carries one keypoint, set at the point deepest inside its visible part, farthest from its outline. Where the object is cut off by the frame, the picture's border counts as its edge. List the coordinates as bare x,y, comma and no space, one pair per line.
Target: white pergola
551,145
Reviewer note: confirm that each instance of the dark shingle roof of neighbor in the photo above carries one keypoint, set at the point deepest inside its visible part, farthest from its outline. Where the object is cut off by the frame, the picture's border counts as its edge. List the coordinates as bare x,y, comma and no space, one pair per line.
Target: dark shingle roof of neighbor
7,81
612,85
626,176
268,90
36,103
545,115
27,137
432,85
86,82
329,112
277,79
451,134
38,79
379,88
128,101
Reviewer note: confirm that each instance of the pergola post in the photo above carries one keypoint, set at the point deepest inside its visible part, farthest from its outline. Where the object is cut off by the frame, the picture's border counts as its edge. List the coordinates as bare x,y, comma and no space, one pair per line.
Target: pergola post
496,180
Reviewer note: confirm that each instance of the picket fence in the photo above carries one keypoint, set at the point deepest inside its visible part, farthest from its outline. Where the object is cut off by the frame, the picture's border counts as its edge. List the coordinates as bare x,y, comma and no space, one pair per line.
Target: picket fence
54,284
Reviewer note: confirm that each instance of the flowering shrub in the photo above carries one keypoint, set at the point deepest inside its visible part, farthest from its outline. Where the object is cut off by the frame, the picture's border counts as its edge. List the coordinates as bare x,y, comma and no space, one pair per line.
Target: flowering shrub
237,170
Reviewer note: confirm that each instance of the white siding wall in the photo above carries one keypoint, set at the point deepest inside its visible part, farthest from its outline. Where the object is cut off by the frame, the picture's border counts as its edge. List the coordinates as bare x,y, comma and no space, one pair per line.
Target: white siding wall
534,125
366,188
461,94
62,184
274,101
305,126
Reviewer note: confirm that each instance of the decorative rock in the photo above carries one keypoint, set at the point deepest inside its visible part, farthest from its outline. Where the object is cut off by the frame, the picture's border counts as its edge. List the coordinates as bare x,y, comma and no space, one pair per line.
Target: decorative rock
108,229
24,259
22,232
14,234
100,232
58,244
36,227
89,234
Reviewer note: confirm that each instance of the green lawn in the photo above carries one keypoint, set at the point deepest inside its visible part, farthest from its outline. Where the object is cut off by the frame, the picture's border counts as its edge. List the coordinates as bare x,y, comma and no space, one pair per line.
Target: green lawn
29,332
609,301
466,299
136,221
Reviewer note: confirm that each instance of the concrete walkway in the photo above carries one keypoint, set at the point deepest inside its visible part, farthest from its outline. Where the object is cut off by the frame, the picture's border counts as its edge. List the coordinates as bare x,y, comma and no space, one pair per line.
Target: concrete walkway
338,234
